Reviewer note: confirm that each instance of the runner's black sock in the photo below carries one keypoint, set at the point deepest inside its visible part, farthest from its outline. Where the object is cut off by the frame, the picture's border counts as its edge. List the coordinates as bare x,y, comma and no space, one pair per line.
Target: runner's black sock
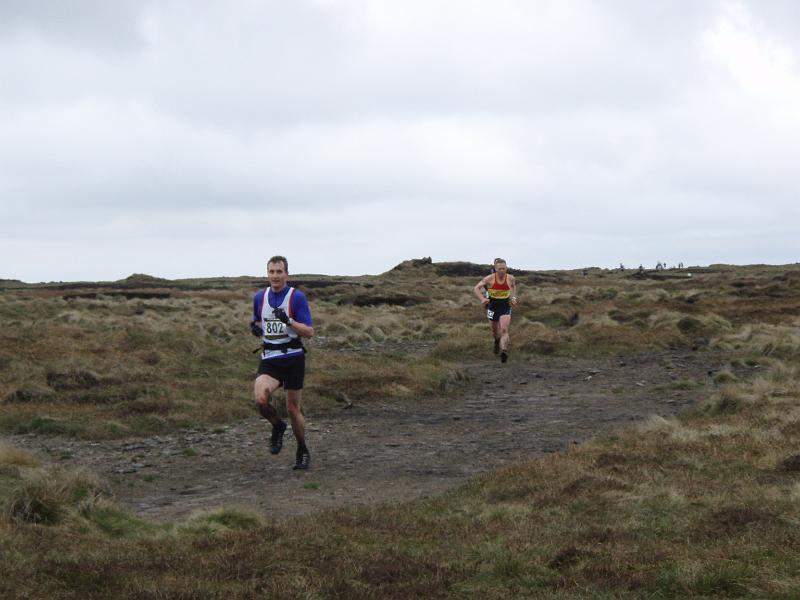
269,413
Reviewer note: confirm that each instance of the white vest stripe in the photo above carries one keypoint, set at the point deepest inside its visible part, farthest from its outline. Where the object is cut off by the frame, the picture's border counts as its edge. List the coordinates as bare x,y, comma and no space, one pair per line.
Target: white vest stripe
276,332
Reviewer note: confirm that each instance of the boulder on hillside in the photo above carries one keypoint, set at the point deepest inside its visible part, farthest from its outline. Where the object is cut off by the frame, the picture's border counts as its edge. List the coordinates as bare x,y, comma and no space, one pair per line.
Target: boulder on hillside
453,269
414,263
142,278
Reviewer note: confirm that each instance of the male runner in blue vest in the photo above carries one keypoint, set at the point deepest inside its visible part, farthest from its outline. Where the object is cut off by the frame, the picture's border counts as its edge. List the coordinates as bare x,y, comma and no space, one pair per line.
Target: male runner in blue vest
281,317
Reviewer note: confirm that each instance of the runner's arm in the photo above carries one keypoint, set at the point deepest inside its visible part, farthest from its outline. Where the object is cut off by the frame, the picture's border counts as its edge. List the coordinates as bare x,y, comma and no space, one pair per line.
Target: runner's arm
512,283
477,290
256,305
301,329
301,323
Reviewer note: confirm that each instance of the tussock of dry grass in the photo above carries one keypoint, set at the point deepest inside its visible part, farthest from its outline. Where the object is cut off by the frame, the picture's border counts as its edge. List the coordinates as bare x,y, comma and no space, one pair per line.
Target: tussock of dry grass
10,455
780,341
221,520
49,494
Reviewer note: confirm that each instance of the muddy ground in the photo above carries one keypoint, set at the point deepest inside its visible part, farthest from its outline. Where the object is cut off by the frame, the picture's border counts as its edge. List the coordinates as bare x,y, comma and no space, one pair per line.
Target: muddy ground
394,452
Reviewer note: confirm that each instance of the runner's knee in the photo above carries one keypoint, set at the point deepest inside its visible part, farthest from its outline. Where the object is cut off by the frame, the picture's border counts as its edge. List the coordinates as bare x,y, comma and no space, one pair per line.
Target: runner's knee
262,396
293,402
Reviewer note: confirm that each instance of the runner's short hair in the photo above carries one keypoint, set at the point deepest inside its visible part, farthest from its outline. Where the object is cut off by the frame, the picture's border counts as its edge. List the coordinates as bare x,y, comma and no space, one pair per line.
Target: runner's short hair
277,259
499,260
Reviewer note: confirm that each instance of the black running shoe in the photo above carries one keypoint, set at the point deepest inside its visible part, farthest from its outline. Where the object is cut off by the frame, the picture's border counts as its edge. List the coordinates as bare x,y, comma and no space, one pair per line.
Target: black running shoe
503,356
302,459
497,345
276,439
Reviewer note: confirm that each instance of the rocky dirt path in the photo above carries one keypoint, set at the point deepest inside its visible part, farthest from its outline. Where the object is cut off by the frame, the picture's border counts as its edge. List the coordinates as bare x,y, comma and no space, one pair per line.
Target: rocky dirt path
391,452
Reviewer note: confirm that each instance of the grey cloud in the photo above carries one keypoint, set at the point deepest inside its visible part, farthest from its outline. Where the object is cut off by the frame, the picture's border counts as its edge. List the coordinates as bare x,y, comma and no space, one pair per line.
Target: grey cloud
268,65
109,26
582,128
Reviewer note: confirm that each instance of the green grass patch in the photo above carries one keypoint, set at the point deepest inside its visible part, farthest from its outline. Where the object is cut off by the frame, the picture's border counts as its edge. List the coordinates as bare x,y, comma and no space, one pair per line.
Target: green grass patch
118,523
43,425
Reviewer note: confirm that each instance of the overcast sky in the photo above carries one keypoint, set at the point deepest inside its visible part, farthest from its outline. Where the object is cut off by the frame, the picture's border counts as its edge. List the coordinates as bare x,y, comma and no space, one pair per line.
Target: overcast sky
191,139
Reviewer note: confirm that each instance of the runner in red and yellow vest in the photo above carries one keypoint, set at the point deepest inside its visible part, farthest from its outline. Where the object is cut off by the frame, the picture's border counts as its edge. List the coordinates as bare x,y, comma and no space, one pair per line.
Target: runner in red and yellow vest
498,293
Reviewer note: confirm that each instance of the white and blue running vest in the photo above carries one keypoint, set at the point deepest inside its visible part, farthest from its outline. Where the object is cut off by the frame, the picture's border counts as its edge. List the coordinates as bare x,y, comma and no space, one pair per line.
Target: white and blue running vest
276,332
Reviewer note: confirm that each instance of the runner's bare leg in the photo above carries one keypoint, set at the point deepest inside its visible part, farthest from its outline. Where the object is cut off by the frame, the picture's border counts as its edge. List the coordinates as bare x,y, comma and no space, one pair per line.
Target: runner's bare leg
503,324
293,398
263,389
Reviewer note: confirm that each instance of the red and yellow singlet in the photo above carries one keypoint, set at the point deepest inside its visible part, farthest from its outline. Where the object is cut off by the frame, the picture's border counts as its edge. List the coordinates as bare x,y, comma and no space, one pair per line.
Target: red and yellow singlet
499,291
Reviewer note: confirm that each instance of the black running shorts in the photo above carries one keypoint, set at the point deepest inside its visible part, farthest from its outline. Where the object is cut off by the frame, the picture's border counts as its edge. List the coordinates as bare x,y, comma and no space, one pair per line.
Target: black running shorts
289,371
497,308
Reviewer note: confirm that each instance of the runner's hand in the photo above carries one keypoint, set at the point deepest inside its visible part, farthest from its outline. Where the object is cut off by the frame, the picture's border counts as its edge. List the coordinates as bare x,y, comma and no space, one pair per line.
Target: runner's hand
281,315
485,301
256,330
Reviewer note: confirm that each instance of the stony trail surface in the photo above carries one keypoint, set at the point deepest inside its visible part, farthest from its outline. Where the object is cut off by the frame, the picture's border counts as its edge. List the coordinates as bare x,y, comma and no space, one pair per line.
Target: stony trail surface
391,452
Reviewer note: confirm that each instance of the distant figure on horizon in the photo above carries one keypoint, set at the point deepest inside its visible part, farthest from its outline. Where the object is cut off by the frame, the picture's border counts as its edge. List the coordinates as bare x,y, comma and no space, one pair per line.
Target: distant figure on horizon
501,288
281,317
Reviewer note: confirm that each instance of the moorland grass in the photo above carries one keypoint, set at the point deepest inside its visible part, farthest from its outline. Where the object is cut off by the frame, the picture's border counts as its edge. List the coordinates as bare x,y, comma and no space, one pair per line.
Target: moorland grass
144,356
700,506
705,505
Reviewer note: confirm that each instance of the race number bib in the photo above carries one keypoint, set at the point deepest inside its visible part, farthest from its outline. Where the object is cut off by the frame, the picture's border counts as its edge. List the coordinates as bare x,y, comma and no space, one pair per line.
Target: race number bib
274,328
490,314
